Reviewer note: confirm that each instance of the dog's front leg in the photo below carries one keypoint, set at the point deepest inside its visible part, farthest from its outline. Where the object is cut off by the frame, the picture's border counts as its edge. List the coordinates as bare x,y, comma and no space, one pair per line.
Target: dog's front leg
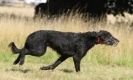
77,60
55,64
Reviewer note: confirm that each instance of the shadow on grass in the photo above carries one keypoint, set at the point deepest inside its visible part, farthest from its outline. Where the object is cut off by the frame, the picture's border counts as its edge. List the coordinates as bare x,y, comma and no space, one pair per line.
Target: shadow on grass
66,70
19,70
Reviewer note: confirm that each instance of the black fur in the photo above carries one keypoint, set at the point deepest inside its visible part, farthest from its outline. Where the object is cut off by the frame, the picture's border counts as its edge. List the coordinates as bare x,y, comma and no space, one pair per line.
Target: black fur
66,44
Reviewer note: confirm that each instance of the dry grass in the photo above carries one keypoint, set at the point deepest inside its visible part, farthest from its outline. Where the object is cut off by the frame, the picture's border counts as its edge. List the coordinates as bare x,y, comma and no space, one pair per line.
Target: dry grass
19,11
63,72
102,62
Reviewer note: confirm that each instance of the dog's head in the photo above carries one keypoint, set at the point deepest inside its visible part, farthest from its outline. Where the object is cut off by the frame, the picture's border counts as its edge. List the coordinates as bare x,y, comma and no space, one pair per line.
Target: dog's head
105,37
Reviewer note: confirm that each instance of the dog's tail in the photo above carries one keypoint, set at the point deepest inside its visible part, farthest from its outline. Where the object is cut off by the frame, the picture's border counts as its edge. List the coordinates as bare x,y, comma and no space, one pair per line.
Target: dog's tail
14,49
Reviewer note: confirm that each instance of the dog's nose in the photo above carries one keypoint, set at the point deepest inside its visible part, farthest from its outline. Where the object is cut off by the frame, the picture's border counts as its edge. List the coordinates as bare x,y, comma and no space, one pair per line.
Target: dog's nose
117,41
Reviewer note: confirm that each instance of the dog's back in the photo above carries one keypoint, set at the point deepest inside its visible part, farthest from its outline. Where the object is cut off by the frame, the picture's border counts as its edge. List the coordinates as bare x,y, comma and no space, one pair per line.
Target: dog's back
54,39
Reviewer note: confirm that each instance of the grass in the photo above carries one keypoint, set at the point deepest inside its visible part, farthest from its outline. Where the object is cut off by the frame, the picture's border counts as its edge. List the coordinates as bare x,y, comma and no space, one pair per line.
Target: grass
101,62
63,72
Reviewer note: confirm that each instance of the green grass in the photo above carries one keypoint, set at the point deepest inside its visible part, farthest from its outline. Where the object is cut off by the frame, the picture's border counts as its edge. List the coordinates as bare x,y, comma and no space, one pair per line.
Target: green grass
65,71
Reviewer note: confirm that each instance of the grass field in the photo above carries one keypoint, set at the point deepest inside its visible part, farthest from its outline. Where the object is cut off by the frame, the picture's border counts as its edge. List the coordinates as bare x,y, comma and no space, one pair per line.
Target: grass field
101,63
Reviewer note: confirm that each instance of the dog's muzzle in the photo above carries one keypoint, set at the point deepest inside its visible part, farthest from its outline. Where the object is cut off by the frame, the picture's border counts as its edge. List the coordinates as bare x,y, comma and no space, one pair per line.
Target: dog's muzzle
116,41
112,42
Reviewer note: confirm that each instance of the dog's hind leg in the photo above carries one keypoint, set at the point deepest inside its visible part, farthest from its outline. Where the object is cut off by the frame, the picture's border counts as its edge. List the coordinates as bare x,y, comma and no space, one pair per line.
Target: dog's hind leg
17,60
22,56
55,64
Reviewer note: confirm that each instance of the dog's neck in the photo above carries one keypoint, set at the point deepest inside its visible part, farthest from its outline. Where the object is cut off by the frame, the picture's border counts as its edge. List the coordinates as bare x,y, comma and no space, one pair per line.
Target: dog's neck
98,40
94,34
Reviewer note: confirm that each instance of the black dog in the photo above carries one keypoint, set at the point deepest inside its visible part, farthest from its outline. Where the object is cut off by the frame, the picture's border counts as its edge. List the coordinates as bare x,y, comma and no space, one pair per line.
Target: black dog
67,44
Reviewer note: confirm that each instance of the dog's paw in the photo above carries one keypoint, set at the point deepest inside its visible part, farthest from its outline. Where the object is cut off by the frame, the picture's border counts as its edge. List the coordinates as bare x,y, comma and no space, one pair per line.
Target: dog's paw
21,62
15,62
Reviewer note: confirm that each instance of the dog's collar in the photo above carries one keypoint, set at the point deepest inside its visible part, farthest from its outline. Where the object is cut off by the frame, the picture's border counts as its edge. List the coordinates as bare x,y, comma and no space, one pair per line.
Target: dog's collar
98,40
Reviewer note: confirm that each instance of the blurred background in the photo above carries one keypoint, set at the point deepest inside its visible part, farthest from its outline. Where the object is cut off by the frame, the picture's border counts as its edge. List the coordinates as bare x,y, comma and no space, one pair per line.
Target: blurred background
21,2
101,63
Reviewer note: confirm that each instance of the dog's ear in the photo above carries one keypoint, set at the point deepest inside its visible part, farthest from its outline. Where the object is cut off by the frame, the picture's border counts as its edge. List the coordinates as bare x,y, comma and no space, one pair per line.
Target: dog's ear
101,32
98,34
94,34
